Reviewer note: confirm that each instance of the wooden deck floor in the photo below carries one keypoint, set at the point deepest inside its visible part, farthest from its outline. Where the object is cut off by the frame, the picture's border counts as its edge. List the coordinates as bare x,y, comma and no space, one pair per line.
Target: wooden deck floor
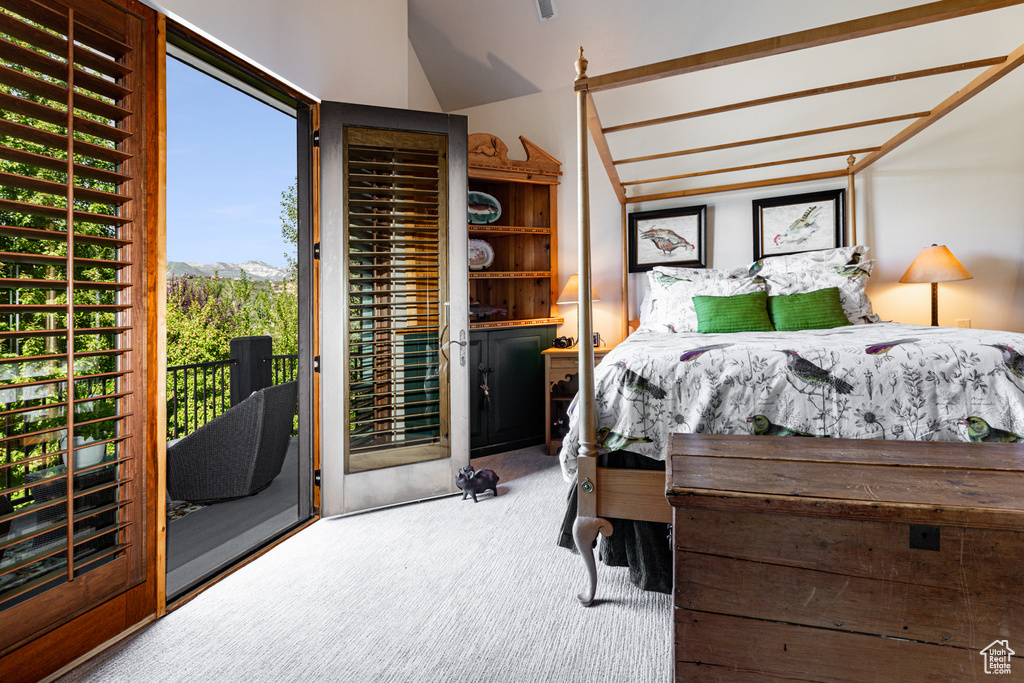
205,541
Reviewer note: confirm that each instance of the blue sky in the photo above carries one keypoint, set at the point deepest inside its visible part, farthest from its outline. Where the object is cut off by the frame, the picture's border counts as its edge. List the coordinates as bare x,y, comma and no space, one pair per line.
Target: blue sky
229,157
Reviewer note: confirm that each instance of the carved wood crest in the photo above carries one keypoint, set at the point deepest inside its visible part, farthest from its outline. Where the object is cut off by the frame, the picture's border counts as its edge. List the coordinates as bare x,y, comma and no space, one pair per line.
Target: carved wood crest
488,151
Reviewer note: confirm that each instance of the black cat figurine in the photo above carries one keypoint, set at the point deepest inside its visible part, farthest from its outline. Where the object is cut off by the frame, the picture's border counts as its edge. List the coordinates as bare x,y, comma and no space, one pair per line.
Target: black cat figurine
473,483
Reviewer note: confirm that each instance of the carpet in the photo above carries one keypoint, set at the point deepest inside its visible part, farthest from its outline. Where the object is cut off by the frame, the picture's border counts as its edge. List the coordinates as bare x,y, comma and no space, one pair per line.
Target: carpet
442,590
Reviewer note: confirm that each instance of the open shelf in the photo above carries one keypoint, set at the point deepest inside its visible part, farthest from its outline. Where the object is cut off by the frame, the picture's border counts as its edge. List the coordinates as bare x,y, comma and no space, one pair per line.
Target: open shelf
519,286
476,229
479,274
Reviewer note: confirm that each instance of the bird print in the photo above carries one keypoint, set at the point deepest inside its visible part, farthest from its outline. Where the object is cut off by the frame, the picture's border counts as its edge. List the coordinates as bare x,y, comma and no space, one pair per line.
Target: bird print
980,431
765,427
666,240
802,229
638,383
851,271
811,373
1013,359
878,349
666,279
613,441
755,268
693,354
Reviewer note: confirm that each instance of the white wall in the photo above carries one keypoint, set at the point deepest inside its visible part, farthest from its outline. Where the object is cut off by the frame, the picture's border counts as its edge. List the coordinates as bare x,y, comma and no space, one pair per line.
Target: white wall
421,95
961,183
344,50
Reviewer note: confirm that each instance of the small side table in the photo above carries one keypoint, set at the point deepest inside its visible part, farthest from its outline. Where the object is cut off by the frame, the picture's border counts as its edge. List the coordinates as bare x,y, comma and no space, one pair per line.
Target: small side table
561,367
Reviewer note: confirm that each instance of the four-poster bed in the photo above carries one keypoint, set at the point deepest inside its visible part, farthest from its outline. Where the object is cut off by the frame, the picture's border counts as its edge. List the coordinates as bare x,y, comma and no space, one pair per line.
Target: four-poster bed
604,493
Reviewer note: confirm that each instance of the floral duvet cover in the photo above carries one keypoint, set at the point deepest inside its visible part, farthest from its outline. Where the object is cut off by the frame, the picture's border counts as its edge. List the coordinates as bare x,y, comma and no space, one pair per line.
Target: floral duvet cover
876,381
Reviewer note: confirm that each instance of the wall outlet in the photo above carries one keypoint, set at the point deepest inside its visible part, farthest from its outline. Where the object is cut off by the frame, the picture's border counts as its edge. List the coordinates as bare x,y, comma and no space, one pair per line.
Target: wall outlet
963,322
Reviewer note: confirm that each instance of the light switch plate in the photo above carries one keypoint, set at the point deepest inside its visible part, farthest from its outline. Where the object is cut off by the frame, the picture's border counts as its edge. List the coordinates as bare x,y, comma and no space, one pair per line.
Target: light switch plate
963,322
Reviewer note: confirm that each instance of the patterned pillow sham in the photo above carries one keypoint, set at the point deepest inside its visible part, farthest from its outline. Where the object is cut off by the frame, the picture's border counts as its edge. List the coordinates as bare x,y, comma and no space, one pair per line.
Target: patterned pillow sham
849,279
788,263
671,292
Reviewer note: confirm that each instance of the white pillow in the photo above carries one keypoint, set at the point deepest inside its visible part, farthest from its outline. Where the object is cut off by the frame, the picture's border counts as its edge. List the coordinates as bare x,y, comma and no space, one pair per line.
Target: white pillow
839,256
671,292
849,279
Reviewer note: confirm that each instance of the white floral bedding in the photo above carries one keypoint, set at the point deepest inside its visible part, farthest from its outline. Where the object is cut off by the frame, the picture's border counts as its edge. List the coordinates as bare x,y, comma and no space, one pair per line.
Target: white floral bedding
876,381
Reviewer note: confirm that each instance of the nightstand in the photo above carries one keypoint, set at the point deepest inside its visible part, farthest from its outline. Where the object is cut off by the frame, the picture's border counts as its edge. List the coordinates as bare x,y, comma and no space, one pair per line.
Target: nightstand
561,367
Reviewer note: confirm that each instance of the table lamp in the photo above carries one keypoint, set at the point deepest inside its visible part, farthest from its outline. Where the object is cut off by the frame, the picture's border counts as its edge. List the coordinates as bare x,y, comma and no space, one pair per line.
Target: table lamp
935,264
571,292
571,295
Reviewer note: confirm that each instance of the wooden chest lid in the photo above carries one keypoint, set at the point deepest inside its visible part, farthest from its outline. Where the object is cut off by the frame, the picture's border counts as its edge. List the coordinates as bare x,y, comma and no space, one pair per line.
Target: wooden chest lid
960,483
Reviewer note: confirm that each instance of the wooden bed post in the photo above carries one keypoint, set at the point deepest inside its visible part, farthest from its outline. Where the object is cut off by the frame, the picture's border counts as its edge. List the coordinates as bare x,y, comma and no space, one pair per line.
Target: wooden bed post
587,524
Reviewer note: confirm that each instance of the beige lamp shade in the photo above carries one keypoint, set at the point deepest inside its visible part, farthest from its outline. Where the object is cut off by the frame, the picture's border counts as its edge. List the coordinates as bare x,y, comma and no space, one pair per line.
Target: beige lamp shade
935,264
571,292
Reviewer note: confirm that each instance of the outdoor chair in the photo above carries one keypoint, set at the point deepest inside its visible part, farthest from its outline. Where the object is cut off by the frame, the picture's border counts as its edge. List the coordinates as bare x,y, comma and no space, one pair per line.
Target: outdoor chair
236,454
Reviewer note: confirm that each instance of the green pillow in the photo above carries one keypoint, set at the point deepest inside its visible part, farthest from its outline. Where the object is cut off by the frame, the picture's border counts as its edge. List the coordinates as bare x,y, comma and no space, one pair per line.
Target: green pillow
739,313
817,310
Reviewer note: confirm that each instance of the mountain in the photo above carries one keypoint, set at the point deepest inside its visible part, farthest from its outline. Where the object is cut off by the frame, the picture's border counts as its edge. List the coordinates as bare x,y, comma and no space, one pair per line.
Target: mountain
257,270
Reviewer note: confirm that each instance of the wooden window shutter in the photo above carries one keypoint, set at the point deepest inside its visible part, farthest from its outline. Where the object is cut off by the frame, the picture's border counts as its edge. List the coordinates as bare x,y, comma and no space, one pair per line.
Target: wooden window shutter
72,309
395,193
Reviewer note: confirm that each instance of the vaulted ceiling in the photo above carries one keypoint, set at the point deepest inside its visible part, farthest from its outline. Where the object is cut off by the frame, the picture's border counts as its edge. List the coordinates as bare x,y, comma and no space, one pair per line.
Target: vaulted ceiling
481,51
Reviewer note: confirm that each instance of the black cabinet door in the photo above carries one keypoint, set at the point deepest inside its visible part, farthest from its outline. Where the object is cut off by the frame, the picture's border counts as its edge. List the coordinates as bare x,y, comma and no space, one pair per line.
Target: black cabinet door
477,406
513,415
517,385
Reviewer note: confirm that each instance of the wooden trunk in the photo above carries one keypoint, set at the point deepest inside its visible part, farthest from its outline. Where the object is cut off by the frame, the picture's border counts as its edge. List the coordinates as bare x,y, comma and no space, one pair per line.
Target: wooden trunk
845,560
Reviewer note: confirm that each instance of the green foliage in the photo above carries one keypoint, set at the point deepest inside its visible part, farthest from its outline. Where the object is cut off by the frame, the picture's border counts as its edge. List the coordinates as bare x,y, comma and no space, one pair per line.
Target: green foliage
290,224
204,314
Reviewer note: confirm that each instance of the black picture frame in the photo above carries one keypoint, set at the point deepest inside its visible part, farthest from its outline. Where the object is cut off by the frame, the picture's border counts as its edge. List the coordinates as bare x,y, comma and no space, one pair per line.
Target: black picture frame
776,229
672,249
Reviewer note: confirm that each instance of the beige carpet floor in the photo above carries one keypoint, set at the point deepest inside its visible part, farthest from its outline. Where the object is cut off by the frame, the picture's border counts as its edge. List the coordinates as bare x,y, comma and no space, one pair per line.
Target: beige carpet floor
442,590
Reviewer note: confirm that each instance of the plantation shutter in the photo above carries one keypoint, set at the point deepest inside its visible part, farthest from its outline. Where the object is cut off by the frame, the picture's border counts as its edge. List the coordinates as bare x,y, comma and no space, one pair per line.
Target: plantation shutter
72,309
396,209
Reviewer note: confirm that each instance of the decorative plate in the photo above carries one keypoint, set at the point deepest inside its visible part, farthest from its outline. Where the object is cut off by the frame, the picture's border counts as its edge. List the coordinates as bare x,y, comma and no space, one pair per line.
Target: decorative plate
480,254
483,208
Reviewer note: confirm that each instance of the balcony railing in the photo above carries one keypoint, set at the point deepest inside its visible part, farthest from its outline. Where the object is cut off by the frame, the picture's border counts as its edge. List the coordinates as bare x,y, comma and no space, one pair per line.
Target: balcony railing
199,392
283,368
196,393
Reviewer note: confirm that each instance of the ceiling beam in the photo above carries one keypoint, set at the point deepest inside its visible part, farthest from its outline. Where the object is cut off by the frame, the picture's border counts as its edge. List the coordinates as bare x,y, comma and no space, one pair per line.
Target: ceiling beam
776,138
824,90
825,175
984,80
824,35
748,167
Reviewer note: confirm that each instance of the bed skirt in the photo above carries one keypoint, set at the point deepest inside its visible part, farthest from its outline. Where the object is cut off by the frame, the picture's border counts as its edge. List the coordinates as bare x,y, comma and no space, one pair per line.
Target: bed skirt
644,547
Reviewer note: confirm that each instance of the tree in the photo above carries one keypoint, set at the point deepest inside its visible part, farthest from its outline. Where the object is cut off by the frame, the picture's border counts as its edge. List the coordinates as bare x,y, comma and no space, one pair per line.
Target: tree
290,225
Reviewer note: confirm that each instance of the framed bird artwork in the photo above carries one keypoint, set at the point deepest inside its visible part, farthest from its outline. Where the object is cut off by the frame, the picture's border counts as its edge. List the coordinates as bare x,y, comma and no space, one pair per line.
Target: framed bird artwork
667,237
799,222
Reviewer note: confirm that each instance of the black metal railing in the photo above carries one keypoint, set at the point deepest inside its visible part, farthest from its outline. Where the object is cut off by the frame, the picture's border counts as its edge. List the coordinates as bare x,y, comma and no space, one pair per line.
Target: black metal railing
196,393
283,368
199,392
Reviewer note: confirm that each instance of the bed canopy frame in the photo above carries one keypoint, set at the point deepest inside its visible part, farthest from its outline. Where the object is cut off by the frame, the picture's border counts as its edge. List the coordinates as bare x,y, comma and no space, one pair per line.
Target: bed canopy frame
605,493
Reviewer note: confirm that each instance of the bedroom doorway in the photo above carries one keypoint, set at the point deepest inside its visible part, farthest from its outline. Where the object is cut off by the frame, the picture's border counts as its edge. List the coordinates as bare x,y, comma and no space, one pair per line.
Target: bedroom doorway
239,283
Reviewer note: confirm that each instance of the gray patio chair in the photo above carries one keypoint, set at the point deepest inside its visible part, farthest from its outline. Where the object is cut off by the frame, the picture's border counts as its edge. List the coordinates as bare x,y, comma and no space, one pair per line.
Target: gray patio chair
236,454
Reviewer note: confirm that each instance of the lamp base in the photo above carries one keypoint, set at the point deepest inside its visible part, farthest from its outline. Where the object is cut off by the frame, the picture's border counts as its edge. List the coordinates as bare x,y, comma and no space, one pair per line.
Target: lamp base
935,304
